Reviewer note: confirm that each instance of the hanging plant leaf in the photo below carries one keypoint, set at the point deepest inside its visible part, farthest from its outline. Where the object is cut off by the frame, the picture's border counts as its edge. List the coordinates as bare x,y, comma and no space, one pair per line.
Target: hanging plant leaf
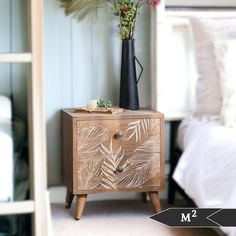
79,9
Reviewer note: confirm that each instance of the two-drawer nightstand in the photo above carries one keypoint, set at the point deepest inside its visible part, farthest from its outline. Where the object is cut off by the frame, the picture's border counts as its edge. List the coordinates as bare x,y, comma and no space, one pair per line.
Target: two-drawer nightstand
103,153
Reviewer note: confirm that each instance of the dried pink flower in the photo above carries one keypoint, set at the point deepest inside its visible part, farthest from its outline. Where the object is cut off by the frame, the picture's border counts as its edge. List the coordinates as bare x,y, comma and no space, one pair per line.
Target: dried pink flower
153,3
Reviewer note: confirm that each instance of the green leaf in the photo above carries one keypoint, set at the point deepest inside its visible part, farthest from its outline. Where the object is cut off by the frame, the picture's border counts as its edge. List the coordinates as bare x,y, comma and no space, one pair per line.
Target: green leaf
79,9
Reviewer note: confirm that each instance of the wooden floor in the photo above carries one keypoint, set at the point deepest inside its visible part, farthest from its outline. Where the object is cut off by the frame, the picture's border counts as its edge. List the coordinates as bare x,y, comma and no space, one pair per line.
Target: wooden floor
116,218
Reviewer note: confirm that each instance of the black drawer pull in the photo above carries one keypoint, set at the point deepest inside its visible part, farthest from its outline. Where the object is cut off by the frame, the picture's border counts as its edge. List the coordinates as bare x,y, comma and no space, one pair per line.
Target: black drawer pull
118,135
119,170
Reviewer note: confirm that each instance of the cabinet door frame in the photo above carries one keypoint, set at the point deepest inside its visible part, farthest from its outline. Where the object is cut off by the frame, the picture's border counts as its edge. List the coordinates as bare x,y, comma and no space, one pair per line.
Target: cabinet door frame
37,127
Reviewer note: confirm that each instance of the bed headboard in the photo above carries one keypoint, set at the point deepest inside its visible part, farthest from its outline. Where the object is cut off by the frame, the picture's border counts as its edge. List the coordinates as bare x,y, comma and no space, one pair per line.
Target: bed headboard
174,72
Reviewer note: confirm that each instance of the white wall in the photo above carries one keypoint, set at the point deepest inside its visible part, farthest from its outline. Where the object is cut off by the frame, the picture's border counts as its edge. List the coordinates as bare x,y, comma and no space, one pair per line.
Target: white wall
82,61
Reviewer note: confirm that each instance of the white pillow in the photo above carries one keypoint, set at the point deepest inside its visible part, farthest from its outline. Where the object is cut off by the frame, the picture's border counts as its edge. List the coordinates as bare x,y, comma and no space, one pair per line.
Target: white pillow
225,52
5,107
205,32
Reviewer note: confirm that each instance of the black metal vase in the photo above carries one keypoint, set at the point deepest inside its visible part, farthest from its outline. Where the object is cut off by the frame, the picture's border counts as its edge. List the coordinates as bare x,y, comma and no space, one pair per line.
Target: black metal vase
128,82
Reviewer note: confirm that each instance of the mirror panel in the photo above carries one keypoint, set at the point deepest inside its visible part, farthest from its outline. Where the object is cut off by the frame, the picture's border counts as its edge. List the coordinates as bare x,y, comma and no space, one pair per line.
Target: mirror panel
15,225
14,174
14,26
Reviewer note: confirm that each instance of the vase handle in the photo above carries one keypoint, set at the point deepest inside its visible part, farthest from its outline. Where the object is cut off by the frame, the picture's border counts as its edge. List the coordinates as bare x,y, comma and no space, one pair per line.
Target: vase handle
139,77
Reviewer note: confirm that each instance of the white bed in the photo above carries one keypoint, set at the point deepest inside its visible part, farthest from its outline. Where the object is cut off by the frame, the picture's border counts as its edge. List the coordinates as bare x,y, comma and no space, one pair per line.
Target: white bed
6,150
192,54
207,168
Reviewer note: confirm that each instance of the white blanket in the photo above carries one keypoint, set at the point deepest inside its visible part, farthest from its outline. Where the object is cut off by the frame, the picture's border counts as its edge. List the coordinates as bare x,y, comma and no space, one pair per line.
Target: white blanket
6,151
207,168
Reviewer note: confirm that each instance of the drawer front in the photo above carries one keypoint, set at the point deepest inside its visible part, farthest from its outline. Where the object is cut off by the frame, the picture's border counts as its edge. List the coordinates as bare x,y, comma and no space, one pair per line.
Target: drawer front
117,154
127,134
117,172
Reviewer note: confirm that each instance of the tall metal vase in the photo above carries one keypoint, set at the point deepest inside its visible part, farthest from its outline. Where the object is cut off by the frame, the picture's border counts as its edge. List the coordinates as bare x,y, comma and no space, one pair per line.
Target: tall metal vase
129,98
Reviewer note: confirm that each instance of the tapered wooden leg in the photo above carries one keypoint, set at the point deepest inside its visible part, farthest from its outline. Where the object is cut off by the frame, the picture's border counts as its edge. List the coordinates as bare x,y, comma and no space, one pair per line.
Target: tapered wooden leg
144,197
69,199
155,200
80,204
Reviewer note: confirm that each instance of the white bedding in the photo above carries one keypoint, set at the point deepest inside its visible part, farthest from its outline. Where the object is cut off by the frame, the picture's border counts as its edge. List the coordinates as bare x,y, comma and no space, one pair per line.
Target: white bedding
6,151
207,168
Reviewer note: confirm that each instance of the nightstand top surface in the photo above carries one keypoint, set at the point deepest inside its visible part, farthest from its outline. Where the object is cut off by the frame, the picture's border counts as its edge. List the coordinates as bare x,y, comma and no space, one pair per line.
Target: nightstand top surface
126,113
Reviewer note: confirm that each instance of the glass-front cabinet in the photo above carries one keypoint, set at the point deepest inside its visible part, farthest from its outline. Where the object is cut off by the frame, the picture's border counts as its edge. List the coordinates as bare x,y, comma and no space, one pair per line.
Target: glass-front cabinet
22,128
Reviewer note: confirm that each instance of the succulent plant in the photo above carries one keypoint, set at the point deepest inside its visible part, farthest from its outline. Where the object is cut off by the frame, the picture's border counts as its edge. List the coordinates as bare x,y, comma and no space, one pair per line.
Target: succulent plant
102,104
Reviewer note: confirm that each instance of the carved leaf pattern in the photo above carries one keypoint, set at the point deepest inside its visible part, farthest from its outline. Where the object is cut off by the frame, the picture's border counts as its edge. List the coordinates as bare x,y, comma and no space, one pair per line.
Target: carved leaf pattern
89,164
139,167
139,128
150,146
88,172
90,138
97,163
111,162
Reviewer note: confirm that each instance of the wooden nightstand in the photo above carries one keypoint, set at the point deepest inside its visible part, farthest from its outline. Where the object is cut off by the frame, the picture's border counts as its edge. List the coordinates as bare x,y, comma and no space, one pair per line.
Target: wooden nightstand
104,153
